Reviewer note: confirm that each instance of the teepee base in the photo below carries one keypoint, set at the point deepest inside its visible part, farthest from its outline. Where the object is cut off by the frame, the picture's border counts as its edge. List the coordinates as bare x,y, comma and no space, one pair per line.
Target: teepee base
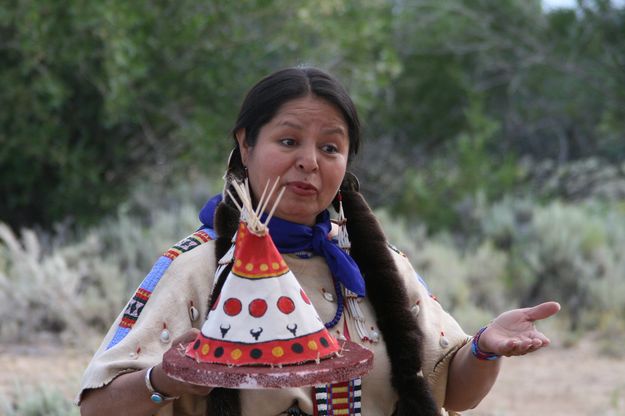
354,361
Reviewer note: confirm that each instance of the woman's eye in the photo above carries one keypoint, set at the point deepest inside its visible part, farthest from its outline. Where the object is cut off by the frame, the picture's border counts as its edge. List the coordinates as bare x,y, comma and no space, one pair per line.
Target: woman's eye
330,148
287,141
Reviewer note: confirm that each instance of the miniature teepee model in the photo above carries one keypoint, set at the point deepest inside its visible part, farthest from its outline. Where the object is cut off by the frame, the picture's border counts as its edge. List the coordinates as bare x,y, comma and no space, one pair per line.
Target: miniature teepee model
263,331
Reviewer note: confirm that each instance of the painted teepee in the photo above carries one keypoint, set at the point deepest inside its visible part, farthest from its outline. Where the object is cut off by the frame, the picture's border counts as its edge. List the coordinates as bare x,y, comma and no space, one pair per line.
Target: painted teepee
263,319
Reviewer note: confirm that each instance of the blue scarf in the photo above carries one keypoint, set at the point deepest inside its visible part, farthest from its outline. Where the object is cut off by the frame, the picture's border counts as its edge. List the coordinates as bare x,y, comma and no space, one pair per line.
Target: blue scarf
290,237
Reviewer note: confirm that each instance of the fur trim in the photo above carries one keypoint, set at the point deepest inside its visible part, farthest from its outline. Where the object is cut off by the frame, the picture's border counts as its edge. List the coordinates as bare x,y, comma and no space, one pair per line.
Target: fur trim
388,296
226,222
223,402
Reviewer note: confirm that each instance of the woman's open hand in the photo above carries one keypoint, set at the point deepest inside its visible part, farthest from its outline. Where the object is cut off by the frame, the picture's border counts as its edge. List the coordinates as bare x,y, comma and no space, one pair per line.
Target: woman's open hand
514,333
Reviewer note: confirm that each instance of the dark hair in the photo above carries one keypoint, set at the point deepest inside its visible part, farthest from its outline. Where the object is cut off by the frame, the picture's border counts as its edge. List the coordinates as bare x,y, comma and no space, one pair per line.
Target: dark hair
264,99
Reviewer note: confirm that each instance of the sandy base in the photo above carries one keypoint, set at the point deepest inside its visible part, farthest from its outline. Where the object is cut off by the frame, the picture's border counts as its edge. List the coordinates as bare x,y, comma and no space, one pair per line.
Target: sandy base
354,361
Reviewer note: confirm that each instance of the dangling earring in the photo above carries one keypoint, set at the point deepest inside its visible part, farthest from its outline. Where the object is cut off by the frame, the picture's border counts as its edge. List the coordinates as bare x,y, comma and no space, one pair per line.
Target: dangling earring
351,298
343,236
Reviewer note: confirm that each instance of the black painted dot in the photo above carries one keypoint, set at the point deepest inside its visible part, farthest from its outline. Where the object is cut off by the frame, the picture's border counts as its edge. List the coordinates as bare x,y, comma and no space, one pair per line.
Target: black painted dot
197,344
256,353
297,348
219,351
324,342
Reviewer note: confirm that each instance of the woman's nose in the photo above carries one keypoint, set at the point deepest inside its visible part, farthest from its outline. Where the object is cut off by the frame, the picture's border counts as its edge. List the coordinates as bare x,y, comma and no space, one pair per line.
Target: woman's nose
307,160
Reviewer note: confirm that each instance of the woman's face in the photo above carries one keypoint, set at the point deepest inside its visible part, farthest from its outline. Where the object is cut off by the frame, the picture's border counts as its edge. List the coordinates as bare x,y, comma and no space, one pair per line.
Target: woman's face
306,144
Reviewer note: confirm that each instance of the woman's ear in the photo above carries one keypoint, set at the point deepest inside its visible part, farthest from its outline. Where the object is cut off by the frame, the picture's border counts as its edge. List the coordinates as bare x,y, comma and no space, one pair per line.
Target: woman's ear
243,146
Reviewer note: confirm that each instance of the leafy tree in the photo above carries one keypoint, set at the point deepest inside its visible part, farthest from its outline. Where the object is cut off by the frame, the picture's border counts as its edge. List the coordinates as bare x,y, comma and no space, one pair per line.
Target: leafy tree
445,192
98,95
101,93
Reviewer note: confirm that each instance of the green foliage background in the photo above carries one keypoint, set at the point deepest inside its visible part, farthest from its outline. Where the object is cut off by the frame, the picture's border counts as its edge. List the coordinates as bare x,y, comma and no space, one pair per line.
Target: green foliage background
474,111
99,95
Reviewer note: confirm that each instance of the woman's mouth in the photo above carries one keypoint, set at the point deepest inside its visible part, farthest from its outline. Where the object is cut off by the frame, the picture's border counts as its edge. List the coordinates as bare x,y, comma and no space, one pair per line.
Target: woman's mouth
302,188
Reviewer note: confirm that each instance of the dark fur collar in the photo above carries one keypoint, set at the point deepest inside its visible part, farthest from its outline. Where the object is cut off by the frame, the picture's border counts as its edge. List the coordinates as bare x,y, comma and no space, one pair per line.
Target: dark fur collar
388,296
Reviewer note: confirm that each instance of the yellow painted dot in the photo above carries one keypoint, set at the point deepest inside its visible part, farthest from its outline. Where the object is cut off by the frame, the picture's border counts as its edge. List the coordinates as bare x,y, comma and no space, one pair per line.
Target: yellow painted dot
205,349
282,263
249,267
236,354
275,266
264,267
312,345
277,351
237,263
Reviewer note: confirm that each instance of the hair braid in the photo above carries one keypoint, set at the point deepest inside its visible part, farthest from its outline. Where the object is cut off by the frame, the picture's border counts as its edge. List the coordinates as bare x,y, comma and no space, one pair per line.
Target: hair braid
388,296
223,402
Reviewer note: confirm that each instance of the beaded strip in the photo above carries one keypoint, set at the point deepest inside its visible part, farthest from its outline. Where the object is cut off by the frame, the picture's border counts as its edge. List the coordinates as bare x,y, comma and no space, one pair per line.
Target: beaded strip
338,398
142,295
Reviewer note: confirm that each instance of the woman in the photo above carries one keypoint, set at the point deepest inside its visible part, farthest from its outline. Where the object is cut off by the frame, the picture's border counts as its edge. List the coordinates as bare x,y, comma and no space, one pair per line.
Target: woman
301,126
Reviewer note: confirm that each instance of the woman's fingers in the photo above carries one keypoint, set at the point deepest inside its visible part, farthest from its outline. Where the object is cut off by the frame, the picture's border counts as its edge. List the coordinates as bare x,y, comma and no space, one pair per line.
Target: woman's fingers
523,346
187,337
542,311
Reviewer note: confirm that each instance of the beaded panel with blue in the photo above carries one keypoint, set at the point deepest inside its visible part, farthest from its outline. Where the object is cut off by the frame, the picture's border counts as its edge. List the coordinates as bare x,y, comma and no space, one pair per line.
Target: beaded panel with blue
142,295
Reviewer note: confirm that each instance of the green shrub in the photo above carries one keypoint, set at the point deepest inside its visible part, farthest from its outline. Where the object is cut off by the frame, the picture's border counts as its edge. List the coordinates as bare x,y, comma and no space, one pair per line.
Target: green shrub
586,179
518,253
74,286
443,191
559,251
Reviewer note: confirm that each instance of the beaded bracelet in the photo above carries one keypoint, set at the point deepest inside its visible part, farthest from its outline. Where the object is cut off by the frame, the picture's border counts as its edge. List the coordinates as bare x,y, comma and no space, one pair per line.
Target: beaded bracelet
477,352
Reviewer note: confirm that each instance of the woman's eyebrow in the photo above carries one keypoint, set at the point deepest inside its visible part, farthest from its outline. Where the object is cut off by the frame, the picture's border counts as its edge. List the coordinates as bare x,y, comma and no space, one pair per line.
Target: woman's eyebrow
326,131
334,130
288,123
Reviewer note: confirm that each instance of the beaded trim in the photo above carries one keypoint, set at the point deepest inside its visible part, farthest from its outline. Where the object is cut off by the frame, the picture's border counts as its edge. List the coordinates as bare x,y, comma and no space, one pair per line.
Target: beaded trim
338,398
143,293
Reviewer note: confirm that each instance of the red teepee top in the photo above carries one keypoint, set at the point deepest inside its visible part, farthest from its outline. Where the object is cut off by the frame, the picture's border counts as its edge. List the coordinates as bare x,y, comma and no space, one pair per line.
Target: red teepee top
256,257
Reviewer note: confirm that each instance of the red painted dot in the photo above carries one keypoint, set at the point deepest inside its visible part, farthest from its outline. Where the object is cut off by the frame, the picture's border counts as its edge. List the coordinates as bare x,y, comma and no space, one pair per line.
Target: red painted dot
286,305
257,308
232,306
216,303
301,292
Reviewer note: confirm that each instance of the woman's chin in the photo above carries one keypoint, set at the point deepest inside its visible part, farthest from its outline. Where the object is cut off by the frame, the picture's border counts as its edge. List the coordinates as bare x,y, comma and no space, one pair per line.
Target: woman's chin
304,215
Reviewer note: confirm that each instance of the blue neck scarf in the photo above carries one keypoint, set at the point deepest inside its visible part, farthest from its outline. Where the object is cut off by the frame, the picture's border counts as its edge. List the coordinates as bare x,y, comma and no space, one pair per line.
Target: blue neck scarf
290,237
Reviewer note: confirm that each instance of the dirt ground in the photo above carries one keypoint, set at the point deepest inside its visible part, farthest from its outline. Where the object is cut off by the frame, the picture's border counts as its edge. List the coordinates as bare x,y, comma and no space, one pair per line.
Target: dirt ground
558,381
555,381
